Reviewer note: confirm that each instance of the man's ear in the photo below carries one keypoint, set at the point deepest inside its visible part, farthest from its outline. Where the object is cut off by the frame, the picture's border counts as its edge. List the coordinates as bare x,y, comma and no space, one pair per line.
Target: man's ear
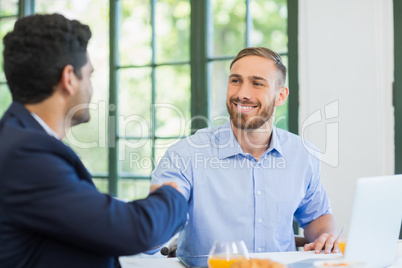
282,96
68,80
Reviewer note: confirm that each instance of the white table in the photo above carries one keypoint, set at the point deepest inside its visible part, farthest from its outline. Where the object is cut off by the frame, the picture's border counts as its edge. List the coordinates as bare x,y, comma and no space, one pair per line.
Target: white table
282,257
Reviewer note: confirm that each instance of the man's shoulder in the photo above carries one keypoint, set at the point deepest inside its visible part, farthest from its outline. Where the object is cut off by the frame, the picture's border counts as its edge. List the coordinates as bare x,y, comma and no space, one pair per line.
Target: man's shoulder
202,139
296,143
19,141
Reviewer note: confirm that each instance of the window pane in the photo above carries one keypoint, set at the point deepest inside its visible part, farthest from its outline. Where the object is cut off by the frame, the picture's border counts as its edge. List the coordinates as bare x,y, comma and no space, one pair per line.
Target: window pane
172,30
90,145
135,33
5,98
135,157
8,8
101,184
172,100
269,24
6,25
219,72
229,27
135,95
133,189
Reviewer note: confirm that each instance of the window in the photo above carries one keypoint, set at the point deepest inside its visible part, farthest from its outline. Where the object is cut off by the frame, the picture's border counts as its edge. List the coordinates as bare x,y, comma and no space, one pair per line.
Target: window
8,16
165,75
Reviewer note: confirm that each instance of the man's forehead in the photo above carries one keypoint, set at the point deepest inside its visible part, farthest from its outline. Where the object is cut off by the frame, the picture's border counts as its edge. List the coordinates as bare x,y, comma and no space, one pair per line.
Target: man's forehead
253,66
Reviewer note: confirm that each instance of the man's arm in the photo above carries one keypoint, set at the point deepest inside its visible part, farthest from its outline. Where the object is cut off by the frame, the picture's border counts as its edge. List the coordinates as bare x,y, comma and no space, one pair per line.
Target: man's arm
48,197
322,231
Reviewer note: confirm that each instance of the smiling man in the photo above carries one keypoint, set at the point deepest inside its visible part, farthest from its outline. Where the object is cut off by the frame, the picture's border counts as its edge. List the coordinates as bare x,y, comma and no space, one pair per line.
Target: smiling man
248,180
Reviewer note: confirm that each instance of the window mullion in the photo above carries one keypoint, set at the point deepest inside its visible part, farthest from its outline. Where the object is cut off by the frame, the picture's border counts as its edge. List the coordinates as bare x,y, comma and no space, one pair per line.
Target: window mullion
26,7
199,68
248,23
113,95
293,63
153,74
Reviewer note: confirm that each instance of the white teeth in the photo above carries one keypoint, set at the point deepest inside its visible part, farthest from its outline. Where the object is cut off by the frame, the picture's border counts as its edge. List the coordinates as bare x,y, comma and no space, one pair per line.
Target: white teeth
244,107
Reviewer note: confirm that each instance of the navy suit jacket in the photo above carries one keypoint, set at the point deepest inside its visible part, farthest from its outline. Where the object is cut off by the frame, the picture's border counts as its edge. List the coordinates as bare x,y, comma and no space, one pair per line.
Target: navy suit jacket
51,214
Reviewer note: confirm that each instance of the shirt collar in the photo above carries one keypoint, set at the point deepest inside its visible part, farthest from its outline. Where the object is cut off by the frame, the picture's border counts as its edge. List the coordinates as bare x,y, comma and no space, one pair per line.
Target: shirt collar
45,126
228,145
226,141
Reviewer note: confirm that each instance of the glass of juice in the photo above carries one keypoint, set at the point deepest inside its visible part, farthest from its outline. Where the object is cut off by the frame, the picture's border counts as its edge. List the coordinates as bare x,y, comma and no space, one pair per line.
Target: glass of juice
224,253
342,245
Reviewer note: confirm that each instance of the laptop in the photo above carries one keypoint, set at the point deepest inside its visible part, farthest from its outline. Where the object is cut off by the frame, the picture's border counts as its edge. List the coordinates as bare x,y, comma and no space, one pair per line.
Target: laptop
375,222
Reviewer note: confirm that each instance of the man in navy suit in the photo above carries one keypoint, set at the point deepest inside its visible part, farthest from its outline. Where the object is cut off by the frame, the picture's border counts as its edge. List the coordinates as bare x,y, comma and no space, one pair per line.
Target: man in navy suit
51,214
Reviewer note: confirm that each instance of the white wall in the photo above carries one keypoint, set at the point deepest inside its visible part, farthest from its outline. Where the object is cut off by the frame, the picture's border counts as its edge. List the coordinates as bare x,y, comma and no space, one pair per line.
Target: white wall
346,65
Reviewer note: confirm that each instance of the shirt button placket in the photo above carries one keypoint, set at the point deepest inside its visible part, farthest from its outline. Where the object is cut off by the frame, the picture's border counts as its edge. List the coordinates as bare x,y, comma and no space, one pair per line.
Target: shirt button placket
259,208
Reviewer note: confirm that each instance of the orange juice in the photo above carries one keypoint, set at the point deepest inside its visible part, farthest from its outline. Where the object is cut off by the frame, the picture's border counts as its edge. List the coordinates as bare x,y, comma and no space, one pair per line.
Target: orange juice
222,261
342,245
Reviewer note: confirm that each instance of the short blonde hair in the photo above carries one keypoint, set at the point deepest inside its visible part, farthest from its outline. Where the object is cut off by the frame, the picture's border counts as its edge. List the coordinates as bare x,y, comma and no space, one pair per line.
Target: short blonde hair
268,54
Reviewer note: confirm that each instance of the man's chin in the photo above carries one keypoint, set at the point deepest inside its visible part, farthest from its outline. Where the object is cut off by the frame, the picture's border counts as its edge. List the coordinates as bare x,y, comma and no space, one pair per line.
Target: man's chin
80,120
247,125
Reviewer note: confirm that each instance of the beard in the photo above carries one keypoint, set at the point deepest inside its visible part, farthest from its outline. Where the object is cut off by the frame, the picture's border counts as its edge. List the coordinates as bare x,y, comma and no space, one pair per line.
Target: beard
81,117
246,122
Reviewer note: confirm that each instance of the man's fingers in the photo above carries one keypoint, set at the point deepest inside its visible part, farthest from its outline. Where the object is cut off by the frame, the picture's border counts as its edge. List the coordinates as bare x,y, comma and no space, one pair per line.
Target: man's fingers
172,184
320,242
309,246
329,244
154,187
336,247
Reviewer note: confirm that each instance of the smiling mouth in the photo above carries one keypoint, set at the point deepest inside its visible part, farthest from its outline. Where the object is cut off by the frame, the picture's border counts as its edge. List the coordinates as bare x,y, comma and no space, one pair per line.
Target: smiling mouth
244,108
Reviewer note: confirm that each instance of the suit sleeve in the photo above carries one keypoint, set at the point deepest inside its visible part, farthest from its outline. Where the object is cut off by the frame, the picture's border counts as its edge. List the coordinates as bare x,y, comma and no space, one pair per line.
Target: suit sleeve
44,195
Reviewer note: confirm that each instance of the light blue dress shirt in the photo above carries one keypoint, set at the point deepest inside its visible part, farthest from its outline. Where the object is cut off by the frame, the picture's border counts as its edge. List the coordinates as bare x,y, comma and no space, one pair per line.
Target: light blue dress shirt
232,196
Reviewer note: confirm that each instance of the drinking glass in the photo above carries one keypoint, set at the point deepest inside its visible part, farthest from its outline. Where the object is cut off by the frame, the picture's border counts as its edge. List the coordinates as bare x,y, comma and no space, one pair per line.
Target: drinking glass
342,239
224,253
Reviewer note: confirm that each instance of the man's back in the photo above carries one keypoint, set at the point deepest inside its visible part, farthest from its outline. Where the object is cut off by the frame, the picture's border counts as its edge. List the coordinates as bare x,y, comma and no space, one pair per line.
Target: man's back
52,214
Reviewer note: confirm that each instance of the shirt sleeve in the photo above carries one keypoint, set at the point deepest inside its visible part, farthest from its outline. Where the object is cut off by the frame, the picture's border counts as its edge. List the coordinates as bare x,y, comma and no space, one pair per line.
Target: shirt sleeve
315,202
175,166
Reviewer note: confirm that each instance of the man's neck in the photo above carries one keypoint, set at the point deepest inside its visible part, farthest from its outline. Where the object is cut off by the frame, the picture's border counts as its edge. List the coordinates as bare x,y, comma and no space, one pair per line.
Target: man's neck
51,114
254,142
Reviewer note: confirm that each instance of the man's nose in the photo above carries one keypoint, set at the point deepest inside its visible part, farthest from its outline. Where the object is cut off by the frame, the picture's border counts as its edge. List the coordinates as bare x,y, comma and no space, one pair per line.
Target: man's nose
244,91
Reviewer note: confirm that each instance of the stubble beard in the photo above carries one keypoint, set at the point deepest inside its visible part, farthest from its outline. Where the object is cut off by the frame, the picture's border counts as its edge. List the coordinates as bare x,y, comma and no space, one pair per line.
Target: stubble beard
248,123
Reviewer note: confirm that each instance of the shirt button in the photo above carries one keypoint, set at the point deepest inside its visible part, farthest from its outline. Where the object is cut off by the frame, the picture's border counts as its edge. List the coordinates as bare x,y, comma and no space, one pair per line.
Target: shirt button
259,220
259,192
259,249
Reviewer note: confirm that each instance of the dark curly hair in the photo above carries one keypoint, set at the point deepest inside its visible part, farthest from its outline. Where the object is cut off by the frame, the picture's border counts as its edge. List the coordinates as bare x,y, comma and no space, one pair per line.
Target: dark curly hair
36,52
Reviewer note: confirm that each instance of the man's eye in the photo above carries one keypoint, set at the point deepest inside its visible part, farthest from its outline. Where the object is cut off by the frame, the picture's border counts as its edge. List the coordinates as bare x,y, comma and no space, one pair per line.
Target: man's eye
235,81
257,84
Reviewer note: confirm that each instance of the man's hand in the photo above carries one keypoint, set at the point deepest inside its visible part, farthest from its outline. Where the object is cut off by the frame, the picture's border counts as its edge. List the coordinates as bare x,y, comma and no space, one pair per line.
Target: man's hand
325,241
321,231
172,184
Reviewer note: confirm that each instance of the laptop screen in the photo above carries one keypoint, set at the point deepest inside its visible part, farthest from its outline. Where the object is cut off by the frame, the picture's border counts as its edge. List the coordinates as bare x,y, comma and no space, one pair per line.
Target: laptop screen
375,221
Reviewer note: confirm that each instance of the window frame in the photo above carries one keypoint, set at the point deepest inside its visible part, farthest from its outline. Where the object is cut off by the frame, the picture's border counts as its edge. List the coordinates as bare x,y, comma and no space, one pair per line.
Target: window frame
397,88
